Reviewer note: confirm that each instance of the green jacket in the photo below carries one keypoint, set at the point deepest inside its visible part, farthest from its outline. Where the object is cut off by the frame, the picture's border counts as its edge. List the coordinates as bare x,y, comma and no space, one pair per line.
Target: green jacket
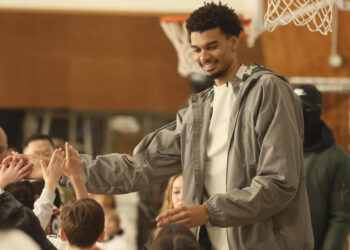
328,186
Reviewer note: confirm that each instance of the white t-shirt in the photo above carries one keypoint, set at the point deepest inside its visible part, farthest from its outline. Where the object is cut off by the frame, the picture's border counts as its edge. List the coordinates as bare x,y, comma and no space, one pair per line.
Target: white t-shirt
217,151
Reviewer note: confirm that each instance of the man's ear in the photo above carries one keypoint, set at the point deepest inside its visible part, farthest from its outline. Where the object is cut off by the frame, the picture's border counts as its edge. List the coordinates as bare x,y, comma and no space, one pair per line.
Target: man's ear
63,235
101,237
234,42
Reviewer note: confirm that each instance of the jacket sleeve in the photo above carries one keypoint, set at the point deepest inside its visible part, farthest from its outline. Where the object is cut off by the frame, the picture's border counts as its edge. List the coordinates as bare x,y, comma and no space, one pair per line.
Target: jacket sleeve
339,217
156,158
278,132
43,207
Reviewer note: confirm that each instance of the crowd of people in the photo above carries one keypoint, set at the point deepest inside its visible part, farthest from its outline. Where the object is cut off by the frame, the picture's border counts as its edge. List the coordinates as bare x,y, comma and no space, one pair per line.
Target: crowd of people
249,165
88,221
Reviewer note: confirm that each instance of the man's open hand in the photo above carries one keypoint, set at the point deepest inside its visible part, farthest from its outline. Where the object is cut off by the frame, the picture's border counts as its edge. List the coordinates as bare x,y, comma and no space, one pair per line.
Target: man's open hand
53,172
190,216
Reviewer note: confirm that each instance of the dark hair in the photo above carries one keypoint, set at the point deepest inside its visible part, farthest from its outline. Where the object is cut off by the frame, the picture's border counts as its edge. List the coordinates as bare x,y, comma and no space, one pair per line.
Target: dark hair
36,137
213,15
175,237
24,192
82,221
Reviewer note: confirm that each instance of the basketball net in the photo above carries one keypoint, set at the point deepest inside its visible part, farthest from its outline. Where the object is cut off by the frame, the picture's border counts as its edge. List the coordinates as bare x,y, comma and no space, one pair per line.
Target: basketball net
315,14
175,29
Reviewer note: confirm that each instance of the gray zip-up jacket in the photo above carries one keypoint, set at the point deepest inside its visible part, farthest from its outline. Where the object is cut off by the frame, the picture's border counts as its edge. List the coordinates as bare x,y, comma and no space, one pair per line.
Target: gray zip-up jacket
265,206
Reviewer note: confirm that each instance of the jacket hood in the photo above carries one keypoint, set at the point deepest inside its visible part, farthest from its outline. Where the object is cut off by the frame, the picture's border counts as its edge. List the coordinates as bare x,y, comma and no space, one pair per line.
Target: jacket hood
253,72
326,140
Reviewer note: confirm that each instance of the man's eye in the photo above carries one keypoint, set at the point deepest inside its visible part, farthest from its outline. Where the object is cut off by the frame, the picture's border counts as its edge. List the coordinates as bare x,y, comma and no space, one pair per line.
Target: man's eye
212,47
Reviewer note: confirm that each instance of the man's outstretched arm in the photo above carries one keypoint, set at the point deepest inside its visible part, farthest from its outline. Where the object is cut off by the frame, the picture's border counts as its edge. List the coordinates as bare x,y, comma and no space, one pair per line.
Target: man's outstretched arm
156,158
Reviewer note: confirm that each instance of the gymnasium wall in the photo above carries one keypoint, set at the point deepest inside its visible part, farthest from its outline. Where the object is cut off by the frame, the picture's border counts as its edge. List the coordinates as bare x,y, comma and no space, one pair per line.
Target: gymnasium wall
125,62
102,62
89,61
295,51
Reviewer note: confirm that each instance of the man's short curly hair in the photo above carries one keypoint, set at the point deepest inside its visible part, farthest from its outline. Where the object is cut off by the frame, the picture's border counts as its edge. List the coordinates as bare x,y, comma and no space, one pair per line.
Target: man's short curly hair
213,15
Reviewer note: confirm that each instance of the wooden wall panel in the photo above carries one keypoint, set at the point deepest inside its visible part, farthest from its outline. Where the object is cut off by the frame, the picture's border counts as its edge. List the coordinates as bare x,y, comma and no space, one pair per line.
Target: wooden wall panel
91,61
335,112
103,62
126,63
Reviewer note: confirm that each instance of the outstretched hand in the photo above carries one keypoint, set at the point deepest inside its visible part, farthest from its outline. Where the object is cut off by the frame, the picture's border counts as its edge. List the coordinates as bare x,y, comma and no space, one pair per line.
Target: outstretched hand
190,216
14,171
73,168
74,171
53,171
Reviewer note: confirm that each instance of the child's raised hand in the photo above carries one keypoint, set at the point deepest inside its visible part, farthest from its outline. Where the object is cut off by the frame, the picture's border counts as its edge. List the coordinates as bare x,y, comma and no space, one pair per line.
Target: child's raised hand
73,168
74,171
14,172
53,172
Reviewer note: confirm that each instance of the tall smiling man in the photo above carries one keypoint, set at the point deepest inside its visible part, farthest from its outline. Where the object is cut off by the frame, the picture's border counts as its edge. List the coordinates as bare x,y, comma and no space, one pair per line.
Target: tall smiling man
238,145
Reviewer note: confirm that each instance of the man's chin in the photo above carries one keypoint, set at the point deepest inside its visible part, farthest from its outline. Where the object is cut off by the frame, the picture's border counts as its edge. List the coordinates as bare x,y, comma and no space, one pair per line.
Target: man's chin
214,75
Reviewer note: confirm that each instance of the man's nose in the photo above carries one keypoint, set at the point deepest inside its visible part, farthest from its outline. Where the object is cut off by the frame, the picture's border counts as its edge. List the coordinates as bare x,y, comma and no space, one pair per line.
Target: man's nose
204,56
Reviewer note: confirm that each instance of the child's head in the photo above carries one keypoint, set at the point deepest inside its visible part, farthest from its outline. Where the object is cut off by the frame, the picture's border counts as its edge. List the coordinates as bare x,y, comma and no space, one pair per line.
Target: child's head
82,223
173,193
175,237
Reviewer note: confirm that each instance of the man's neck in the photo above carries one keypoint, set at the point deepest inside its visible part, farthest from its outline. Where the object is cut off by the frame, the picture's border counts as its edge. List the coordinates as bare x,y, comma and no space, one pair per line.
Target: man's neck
231,72
79,248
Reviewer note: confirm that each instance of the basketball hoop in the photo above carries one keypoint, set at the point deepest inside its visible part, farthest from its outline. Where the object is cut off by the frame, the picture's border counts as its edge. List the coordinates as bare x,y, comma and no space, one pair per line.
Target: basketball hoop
175,29
315,14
